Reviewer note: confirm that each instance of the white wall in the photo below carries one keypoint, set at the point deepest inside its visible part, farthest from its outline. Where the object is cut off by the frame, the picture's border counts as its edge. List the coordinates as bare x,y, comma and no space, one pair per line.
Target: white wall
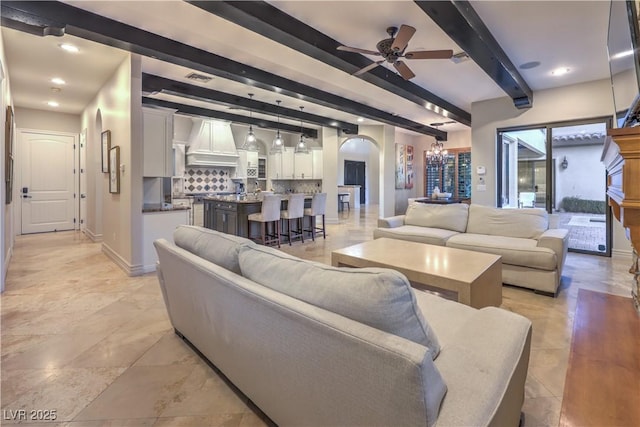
7,232
119,104
27,118
420,145
362,150
581,101
457,139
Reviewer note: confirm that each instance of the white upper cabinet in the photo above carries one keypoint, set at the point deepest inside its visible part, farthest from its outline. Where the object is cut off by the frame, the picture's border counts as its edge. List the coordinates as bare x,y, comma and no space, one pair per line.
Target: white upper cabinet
287,163
303,165
316,158
157,142
290,165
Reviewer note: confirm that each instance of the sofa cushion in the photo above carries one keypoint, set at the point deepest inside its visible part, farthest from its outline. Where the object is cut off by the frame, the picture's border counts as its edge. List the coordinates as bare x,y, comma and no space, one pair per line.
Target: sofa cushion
513,250
450,217
525,223
414,233
381,298
218,248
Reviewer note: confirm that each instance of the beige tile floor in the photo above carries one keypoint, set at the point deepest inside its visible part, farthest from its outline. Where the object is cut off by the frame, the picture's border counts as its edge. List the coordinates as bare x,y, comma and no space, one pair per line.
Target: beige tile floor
82,339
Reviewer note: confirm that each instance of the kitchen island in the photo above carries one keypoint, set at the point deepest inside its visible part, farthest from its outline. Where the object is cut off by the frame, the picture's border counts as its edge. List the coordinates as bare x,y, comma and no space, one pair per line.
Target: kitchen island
229,214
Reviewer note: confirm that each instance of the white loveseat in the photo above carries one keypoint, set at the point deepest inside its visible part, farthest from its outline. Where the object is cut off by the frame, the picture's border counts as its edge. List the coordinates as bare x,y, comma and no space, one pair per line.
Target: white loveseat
532,251
316,345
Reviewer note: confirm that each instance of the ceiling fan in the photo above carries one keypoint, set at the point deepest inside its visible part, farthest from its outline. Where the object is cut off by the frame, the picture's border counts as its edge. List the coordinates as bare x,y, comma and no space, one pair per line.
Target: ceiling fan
392,49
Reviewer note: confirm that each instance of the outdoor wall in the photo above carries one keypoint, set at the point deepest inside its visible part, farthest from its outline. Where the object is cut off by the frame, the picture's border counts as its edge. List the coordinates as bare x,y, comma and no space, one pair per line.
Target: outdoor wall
361,150
581,101
117,107
585,177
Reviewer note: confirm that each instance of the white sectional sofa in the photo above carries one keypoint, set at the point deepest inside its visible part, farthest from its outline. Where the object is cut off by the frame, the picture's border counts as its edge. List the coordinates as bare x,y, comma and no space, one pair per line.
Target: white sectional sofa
315,345
533,253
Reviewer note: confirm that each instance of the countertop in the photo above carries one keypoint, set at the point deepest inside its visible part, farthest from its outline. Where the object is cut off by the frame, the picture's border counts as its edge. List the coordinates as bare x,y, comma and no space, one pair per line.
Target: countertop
157,207
248,198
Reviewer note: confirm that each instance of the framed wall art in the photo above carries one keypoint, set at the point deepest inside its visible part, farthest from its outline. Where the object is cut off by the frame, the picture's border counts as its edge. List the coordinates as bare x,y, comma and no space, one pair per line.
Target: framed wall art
400,166
114,170
106,147
8,155
408,156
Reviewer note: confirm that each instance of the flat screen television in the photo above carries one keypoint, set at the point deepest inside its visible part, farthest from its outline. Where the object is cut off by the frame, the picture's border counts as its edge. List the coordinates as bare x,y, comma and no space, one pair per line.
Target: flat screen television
624,61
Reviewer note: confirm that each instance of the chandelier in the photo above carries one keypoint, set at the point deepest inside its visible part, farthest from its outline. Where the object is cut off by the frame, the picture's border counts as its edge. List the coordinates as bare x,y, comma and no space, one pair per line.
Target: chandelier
437,155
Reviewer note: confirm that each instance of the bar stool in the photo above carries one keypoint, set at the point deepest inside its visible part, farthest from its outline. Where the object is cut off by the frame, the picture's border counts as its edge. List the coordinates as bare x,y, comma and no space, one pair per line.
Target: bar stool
295,211
345,199
270,213
318,204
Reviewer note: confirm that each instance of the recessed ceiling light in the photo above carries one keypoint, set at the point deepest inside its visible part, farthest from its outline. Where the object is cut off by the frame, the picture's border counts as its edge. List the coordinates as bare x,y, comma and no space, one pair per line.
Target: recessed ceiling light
560,71
55,89
69,48
360,120
53,104
529,65
58,81
334,123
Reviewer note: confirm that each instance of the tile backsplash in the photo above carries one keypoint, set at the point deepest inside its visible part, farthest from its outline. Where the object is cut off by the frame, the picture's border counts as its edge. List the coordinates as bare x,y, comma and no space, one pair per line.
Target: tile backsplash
204,179
297,186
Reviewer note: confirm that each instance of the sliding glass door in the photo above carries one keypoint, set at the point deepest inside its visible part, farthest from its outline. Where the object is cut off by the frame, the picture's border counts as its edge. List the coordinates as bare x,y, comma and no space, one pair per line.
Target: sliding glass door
557,167
524,168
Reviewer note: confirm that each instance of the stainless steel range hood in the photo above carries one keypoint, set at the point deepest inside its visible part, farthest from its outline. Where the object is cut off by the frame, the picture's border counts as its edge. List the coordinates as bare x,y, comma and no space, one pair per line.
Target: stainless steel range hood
211,144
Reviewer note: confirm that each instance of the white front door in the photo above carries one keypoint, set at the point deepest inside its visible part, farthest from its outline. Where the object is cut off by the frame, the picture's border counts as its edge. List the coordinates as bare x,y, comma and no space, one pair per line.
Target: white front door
47,184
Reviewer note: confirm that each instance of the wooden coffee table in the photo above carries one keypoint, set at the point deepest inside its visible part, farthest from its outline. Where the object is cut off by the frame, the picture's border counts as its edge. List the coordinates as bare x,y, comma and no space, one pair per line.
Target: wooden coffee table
472,278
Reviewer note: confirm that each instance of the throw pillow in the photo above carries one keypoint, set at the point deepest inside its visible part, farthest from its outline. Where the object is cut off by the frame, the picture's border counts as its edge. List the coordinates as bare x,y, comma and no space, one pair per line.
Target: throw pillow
449,217
219,248
380,298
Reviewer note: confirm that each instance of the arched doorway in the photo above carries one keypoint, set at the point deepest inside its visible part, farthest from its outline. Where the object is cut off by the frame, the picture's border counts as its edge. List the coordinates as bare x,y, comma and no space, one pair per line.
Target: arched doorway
359,164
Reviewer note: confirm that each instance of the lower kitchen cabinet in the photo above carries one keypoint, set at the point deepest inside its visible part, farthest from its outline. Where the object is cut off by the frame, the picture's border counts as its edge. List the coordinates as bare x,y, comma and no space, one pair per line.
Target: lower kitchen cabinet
159,225
229,217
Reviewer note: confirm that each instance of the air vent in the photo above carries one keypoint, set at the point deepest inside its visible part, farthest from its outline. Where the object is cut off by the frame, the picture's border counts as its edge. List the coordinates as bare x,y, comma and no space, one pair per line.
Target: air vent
459,57
199,77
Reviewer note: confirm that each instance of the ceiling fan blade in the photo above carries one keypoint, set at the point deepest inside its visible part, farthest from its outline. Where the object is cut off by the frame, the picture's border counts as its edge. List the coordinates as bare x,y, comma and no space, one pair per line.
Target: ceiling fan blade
368,67
358,50
404,71
402,38
429,54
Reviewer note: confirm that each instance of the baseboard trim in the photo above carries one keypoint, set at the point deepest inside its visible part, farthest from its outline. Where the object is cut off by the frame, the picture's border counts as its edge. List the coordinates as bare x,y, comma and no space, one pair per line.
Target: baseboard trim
621,253
7,261
130,270
95,238
148,268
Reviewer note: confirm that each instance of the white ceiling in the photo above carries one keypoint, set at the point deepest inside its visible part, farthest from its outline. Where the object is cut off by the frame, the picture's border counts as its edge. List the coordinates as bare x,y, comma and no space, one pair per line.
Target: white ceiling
572,34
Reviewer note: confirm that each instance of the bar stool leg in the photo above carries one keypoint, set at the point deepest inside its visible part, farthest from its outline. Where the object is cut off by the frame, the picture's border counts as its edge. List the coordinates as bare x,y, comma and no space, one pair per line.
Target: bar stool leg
324,233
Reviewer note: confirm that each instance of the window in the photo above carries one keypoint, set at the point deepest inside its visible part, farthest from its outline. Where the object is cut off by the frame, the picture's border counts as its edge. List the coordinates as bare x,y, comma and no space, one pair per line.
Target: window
453,177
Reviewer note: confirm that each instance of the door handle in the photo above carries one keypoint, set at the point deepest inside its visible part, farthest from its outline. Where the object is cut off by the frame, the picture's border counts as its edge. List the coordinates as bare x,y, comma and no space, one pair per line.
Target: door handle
26,196
83,196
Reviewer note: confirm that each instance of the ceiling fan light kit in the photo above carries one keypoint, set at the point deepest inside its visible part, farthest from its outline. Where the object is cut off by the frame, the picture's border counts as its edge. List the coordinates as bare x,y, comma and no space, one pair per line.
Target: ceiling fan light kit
393,49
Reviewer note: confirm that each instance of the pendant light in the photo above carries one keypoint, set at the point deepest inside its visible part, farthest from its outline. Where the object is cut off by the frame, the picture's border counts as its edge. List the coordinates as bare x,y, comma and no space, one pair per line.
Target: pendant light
250,141
278,144
301,146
